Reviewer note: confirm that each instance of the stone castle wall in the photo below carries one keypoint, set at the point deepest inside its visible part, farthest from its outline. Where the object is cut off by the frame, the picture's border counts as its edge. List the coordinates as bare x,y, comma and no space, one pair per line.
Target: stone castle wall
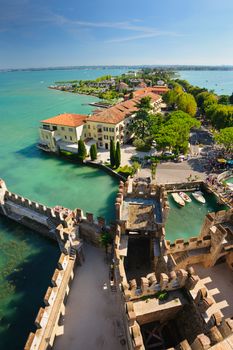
49,322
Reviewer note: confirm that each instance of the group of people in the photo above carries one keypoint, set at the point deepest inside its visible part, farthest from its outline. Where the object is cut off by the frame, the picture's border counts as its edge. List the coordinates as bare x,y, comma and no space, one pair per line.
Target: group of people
222,189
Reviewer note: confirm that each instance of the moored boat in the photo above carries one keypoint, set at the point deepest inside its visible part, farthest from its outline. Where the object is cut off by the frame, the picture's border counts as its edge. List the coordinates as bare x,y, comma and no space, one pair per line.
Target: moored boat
185,197
198,195
178,199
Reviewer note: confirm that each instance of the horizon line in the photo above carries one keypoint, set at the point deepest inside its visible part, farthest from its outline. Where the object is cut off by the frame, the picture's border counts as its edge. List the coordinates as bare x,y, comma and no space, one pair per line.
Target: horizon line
116,66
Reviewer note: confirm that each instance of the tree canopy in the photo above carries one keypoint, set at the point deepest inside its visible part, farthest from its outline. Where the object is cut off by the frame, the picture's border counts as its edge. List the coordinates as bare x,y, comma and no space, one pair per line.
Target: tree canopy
221,116
82,152
174,133
180,99
225,138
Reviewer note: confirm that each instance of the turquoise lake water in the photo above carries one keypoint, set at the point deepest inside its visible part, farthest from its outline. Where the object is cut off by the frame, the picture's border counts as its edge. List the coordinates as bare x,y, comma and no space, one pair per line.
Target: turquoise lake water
230,180
27,260
185,222
219,81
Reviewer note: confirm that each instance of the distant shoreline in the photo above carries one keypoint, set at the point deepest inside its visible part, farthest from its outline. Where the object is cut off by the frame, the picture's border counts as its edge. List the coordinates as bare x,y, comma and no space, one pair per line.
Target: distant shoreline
162,67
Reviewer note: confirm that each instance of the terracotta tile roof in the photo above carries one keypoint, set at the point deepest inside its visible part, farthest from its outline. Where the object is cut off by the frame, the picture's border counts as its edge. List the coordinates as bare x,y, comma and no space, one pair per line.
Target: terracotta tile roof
153,89
67,119
120,111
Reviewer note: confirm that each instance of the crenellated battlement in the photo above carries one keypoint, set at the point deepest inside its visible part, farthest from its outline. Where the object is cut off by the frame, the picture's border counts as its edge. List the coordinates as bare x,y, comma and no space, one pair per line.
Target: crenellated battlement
150,286
180,245
48,317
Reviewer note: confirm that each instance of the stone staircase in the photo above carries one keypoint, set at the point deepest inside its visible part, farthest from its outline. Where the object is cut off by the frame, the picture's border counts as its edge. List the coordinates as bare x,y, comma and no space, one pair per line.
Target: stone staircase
181,257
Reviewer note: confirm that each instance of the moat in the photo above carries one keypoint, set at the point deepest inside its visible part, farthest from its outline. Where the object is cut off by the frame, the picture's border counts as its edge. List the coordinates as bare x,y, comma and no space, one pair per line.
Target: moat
194,213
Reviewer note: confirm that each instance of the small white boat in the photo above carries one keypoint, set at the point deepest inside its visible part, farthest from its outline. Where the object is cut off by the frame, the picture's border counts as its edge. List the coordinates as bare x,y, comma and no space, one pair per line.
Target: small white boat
178,199
198,195
185,197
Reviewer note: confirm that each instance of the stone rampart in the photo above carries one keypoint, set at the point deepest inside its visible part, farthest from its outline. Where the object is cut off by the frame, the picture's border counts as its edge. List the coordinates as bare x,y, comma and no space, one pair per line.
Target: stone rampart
180,245
183,186
48,320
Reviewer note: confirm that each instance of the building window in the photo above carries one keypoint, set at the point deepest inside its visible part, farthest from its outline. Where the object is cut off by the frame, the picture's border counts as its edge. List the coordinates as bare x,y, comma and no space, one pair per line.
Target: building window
101,144
66,137
71,138
70,129
46,127
85,135
63,128
105,128
106,137
89,126
111,137
116,129
54,127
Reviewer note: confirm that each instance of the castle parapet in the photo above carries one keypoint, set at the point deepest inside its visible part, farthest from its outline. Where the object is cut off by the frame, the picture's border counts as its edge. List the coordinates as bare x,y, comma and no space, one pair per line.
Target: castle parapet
47,320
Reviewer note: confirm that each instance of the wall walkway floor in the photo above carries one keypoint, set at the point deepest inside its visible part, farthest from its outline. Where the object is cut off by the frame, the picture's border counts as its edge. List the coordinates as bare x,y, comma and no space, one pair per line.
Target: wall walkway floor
93,320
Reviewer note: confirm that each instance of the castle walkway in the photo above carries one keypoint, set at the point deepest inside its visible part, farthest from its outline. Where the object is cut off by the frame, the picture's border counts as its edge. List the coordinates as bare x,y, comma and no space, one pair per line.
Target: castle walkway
93,317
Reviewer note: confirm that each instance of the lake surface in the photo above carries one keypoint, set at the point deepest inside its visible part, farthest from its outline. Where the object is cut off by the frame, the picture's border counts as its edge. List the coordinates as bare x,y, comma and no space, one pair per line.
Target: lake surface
219,81
186,222
27,260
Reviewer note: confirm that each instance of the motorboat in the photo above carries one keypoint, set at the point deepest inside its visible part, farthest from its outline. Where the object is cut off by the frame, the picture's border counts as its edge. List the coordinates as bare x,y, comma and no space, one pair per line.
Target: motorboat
198,195
185,197
178,199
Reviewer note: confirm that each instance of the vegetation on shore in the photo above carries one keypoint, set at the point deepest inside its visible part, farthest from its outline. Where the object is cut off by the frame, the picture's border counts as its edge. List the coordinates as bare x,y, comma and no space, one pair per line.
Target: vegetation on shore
112,89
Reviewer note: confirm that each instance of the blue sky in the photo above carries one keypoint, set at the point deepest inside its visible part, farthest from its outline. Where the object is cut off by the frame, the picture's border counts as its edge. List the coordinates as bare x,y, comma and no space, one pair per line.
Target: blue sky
39,33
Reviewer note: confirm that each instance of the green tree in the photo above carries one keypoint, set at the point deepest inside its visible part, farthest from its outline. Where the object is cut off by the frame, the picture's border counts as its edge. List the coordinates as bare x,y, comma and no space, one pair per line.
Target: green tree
221,116
186,103
205,100
118,155
224,100
112,154
135,167
82,152
225,138
140,123
174,133
93,152
231,99
105,240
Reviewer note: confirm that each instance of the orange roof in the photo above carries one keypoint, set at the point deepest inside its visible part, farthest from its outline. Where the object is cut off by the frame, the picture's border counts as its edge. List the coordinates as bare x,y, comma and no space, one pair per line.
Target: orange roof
153,89
67,119
120,111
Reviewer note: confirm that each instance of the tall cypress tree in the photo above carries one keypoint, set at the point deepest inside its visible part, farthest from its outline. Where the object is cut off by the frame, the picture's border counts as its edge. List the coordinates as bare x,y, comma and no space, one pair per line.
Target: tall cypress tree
82,152
93,152
118,155
112,153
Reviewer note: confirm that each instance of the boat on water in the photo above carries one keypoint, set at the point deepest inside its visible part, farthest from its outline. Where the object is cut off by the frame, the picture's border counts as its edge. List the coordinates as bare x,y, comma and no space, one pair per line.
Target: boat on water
198,195
185,197
178,199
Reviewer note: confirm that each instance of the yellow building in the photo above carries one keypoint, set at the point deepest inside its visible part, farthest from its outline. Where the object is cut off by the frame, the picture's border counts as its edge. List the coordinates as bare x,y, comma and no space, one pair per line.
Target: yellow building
62,132
113,123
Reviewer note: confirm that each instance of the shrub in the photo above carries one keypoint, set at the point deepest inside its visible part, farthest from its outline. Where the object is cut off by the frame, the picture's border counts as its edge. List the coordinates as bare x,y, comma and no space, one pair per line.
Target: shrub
141,145
118,155
93,152
125,170
162,295
82,152
112,153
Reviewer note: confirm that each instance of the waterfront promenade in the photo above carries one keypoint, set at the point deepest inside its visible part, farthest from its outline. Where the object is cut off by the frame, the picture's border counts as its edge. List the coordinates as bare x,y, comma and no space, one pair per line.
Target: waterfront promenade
93,317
